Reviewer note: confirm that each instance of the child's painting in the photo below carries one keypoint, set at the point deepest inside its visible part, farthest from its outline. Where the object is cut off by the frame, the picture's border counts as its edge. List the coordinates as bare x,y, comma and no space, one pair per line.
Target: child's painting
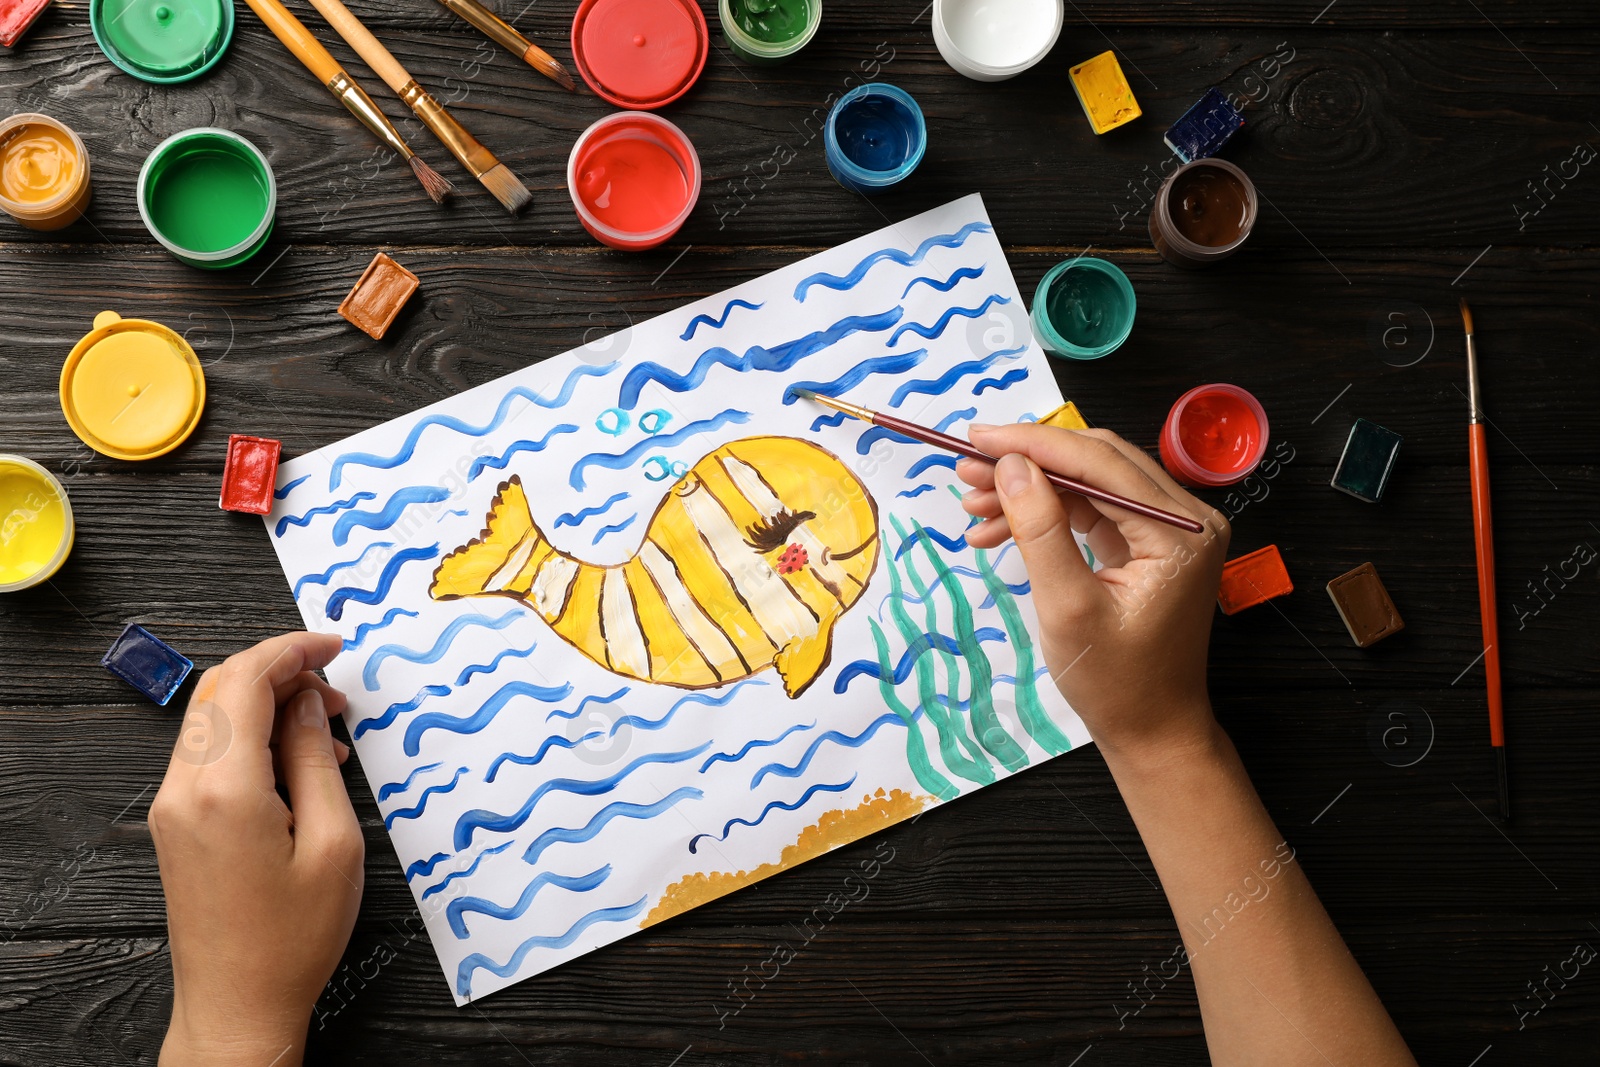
635,627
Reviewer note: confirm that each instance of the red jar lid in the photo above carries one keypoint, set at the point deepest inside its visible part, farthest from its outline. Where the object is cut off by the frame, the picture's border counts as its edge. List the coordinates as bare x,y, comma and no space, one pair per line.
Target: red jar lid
640,53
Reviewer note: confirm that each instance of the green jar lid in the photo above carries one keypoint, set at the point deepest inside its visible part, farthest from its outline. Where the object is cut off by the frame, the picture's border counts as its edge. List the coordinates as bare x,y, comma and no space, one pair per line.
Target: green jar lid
162,41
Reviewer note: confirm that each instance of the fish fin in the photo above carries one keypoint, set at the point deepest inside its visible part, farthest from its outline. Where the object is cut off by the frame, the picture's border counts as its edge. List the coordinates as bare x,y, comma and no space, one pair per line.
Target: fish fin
475,568
800,661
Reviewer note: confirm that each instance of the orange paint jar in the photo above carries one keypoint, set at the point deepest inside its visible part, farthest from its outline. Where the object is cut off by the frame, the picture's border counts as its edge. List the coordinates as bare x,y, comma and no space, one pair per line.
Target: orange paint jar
44,172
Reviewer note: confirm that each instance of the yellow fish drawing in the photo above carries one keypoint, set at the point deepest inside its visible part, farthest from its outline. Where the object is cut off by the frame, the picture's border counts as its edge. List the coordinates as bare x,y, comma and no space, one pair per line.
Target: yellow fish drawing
747,563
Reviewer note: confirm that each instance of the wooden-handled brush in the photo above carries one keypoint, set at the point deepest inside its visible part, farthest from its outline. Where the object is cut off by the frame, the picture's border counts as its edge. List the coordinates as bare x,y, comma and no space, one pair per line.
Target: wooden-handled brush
501,32
495,175
292,32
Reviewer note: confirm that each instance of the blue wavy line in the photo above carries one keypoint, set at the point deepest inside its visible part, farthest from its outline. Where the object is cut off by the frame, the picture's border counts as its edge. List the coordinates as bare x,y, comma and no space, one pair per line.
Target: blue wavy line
896,363
367,627
888,718
454,514
439,886
735,757
946,381
842,282
912,494
499,462
326,576
780,358
577,517
872,436
1020,589
400,787
777,805
425,867
557,741
954,417
836,419
944,541
422,802
585,702
489,668
497,823
1005,381
918,648
283,494
581,883
478,961
1008,679
471,724
349,594
716,324
390,513
617,527
938,459
394,711
369,673
617,461
965,572
619,809
367,459
961,275
326,509
938,328
692,698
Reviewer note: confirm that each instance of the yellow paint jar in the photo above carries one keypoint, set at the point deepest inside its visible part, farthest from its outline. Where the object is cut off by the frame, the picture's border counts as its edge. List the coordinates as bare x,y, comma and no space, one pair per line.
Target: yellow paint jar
44,172
36,528
131,388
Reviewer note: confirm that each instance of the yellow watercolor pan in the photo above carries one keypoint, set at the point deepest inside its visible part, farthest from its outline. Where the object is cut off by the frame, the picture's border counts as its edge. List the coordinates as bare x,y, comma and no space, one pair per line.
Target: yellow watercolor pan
1104,92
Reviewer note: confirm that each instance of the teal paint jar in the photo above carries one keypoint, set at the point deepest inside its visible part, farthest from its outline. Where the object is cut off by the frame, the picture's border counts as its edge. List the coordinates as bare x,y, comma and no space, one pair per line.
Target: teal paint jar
1083,308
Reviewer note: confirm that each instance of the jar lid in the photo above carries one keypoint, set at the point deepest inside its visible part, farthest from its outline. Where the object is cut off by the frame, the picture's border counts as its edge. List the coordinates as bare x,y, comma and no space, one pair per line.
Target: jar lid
131,388
162,41
640,54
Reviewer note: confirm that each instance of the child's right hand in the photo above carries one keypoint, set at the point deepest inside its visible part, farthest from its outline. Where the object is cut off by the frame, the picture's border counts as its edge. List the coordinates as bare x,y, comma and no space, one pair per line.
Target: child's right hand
1126,645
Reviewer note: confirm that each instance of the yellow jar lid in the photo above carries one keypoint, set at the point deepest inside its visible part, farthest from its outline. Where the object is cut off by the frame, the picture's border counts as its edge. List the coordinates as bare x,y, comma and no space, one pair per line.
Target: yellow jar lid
131,388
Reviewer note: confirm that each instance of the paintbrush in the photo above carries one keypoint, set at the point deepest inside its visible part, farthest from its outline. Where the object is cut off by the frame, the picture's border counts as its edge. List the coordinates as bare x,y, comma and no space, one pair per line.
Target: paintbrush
930,436
1483,534
500,31
326,69
495,175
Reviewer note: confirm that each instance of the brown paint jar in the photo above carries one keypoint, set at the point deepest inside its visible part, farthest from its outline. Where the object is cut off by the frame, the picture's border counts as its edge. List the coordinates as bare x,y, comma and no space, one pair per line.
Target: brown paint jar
1202,213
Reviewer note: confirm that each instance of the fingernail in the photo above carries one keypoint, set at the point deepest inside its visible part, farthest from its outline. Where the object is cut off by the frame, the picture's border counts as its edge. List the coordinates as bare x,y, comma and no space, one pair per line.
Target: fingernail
313,716
1011,475
980,426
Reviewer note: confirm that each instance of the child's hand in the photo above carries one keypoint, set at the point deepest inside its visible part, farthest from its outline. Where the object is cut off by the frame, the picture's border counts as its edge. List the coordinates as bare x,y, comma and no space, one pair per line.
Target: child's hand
261,896
1126,645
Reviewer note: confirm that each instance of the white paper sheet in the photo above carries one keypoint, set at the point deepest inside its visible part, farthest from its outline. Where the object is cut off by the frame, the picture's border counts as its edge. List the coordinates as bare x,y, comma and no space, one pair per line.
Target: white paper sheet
577,718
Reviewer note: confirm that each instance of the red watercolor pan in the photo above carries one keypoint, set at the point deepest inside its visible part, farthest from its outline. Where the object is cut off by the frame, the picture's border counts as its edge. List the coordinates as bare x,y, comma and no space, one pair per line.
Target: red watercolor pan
1215,435
250,475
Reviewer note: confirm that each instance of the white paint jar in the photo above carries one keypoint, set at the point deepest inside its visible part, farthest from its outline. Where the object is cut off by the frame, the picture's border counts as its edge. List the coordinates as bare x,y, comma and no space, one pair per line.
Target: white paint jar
992,40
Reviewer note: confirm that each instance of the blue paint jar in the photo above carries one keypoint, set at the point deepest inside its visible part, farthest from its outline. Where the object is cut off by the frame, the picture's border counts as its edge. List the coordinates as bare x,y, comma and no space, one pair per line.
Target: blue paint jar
874,139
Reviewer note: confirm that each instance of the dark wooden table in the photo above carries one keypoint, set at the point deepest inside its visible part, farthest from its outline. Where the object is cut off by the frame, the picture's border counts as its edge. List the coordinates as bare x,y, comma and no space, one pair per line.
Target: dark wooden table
1393,145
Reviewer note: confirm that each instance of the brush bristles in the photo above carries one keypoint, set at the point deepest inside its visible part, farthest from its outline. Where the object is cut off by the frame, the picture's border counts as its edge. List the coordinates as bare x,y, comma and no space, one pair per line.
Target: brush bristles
507,188
1466,314
803,394
433,183
550,67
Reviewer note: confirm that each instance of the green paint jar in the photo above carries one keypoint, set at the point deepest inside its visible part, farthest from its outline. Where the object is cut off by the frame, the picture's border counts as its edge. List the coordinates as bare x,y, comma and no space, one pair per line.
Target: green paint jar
769,31
162,41
1083,308
208,196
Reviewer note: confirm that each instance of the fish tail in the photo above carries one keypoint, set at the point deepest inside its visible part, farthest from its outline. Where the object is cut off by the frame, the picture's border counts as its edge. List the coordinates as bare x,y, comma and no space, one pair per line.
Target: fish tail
501,561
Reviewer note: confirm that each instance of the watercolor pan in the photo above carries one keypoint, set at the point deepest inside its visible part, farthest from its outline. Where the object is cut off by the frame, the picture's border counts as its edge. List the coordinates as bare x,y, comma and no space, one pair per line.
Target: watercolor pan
1202,130
1252,579
250,475
1364,605
379,294
147,663
1104,92
16,16
1368,460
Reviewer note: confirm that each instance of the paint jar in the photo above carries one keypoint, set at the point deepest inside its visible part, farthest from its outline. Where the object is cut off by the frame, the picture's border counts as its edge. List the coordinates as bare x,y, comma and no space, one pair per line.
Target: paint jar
1083,308
36,527
992,40
1202,213
1214,435
634,178
162,41
44,172
131,388
208,196
640,54
769,31
874,138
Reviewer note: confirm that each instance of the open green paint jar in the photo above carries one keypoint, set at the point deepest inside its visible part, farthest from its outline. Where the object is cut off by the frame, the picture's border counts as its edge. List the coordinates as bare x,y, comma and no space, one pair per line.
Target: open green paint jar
769,31
208,196
1083,308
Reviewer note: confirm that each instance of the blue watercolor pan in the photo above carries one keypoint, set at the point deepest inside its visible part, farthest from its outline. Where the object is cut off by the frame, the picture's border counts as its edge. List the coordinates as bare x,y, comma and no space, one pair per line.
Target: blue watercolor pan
147,663
1367,462
1205,127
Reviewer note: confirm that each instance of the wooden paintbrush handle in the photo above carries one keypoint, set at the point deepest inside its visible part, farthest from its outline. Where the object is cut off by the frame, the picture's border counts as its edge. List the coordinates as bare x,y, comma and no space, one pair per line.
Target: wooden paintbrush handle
292,32
368,47
1483,529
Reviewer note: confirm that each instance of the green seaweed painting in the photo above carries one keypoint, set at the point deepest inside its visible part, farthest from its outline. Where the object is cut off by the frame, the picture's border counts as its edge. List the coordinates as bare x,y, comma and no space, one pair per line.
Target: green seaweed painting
972,738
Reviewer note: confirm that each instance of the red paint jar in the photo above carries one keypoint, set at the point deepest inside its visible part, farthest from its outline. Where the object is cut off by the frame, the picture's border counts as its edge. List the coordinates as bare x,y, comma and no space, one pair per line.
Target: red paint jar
640,54
634,178
1215,435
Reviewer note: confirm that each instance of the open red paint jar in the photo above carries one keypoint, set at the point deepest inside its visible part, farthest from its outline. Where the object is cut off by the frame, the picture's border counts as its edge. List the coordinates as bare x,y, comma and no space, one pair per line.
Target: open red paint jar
634,178
1215,435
